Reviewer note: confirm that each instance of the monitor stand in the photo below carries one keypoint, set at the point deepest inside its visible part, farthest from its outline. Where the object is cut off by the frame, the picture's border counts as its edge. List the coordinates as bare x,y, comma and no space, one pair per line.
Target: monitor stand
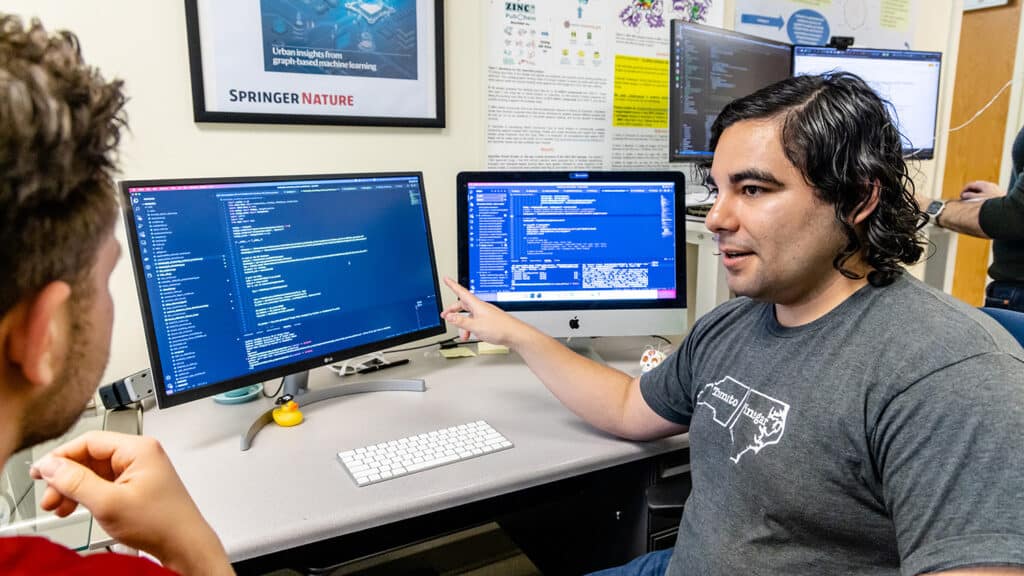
582,346
297,385
240,395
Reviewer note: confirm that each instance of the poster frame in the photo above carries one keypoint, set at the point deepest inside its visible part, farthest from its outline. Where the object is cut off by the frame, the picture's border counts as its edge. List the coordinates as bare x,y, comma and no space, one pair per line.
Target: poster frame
204,111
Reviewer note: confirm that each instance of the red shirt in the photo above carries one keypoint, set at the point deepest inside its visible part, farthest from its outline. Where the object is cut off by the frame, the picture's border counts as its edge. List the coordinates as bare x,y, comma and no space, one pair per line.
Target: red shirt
32,555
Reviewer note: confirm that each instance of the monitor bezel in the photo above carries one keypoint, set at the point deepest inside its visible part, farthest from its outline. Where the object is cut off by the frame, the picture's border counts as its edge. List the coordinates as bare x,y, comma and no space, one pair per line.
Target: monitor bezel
165,400
909,153
673,112
679,205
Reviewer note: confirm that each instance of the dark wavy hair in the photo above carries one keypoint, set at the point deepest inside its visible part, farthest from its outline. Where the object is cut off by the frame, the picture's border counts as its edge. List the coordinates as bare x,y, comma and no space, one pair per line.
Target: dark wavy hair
60,123
838,132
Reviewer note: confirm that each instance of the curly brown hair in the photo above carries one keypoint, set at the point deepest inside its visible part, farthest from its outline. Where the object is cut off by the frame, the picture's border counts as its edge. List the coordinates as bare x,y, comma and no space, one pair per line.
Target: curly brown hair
60,124
840,134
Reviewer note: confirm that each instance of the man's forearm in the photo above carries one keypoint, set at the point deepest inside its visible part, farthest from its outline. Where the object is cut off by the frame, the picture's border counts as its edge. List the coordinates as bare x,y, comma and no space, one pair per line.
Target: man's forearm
593,391
962,216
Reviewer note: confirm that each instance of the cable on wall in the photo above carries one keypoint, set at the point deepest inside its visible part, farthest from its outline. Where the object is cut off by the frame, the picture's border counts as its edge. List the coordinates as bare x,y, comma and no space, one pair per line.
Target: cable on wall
983,108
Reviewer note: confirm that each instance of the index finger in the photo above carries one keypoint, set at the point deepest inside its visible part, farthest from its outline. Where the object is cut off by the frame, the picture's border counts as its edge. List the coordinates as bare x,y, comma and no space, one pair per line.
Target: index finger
457,288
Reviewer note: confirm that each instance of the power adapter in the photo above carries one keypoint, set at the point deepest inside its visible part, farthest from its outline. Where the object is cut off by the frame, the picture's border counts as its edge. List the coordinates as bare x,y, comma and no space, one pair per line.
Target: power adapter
128,390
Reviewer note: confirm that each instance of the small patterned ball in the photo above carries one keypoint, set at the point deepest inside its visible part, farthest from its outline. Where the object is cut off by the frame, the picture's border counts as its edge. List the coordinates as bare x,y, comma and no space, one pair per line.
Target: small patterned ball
650,359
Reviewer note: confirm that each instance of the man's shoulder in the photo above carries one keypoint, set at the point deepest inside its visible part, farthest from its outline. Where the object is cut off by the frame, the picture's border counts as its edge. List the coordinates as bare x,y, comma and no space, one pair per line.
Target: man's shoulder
917,336
30,555
919,313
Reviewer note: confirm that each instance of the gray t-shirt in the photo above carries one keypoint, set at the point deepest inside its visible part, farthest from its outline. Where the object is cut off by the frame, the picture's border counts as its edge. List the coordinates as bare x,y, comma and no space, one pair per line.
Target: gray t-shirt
886,437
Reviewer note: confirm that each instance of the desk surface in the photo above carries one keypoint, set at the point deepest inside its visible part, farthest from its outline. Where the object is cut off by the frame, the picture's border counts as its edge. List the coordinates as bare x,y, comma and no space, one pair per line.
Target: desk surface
289,489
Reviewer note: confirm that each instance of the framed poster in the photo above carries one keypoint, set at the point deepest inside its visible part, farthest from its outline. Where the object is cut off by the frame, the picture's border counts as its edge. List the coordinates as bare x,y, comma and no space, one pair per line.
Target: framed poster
355,62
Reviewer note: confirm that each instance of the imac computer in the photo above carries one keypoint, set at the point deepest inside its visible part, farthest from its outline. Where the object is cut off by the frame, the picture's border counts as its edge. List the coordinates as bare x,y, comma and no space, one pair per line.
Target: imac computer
577,253
246,279
710,67
908,80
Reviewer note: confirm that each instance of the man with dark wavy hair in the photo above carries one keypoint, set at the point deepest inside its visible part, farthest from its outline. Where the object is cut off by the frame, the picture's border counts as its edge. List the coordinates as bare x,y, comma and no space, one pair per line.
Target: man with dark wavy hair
844,418
60,123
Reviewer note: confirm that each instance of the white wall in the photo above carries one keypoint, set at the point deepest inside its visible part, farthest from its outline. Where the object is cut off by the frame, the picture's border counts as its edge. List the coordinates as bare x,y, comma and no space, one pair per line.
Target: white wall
937,27
143,42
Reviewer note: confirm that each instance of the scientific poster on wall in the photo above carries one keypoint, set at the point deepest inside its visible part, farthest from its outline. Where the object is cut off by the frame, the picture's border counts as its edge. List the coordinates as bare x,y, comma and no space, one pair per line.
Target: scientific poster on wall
872,23
582,84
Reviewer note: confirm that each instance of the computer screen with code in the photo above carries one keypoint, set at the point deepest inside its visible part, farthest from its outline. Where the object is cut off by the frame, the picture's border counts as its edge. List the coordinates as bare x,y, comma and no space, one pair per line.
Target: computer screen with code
245,279
710,67
553,241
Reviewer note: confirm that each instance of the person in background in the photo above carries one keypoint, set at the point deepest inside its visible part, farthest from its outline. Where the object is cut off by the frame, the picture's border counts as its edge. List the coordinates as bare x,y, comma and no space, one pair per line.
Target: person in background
60,123
844,418
985,210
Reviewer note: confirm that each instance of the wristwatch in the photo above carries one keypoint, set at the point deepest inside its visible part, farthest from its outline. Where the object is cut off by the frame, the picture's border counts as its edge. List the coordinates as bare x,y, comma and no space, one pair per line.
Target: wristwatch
934,209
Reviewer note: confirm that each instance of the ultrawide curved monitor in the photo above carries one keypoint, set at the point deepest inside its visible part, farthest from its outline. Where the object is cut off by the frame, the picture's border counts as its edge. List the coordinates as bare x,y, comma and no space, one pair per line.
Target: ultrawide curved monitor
577,253
246,279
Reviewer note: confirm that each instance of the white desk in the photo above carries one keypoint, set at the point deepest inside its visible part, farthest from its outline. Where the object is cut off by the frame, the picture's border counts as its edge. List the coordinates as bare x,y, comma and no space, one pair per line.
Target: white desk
289,490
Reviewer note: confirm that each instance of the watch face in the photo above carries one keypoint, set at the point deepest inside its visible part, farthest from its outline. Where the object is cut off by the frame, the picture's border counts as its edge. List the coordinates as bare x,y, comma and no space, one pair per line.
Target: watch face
934,207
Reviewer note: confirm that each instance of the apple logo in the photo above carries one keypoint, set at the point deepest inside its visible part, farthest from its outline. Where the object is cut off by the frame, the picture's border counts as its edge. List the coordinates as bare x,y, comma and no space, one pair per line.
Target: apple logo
574,323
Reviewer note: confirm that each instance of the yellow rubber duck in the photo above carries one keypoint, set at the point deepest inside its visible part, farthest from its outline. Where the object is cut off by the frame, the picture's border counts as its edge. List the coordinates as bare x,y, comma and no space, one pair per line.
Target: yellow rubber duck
287,413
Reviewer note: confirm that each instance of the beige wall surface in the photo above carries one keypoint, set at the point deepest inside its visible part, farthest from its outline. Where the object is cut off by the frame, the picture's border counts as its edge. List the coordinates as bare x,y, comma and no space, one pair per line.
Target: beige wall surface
143,42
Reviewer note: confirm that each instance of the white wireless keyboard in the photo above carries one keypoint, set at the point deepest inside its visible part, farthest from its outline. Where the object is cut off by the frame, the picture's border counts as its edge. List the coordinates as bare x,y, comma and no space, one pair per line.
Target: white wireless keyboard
380,462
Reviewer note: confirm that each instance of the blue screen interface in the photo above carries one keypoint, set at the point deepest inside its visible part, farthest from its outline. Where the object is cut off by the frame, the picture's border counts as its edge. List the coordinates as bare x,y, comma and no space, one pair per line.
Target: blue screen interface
545,242
247,277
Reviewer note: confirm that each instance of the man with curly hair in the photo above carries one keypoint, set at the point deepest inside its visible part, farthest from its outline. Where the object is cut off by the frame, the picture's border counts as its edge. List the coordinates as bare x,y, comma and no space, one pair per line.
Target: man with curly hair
844,418
60,123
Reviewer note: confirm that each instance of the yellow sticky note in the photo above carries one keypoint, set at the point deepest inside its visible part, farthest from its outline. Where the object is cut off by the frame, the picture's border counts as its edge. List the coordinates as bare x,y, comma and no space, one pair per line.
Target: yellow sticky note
457,352
486,348
895,14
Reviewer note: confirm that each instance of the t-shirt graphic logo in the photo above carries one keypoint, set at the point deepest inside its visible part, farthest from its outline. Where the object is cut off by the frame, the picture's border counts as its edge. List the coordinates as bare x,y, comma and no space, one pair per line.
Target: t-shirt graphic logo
754,420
